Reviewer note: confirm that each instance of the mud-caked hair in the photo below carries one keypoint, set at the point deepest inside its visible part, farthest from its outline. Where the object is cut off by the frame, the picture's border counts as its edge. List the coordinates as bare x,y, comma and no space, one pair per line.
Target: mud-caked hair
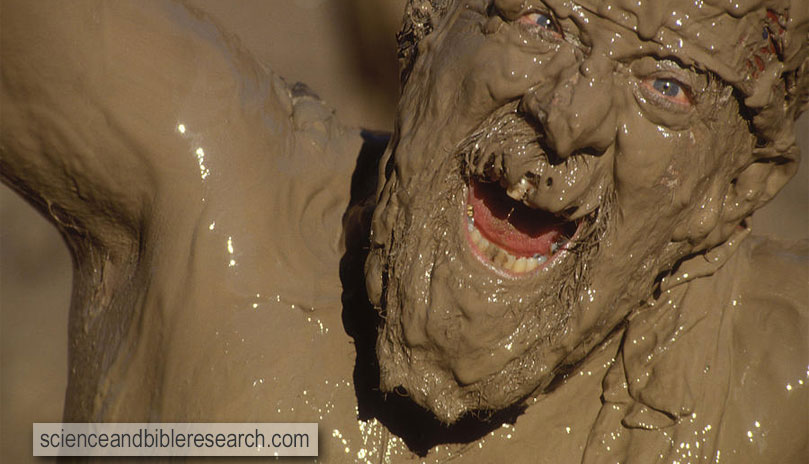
420,18
776,89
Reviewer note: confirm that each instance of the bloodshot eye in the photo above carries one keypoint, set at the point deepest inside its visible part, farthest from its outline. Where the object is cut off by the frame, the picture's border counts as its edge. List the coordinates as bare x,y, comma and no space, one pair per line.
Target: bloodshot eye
670,89
542,20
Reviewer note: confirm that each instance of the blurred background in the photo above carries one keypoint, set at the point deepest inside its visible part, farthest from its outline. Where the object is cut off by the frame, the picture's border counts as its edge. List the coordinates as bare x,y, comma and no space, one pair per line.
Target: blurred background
345,51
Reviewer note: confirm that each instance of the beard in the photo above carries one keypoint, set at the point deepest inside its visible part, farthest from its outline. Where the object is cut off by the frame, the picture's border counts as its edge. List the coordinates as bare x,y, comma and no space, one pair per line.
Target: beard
460,336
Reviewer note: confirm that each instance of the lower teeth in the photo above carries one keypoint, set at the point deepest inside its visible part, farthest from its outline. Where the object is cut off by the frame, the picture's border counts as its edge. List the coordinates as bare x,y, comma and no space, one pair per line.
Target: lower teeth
503,258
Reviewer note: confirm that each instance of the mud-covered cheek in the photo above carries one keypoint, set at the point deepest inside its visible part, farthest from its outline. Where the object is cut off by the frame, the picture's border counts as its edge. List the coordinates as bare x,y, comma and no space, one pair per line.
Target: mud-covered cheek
654,169
520,69
447,94
494,65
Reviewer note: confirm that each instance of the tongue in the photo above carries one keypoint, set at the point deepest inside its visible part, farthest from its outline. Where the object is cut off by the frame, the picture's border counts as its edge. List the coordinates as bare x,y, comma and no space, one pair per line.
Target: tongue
518,229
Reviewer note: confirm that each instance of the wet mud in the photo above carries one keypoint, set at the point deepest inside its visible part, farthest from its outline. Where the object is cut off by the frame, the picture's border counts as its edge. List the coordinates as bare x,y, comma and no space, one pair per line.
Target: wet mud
227,229
642,127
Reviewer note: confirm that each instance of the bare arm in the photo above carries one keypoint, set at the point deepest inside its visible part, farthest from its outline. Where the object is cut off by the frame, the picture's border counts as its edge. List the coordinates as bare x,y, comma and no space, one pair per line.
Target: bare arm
107,108
93,94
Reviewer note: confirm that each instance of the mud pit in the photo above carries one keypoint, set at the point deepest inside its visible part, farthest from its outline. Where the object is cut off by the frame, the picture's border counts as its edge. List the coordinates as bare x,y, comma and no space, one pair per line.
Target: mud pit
242,339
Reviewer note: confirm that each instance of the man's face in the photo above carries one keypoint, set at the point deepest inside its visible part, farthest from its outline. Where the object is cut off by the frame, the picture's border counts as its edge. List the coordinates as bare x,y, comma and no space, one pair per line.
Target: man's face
551,162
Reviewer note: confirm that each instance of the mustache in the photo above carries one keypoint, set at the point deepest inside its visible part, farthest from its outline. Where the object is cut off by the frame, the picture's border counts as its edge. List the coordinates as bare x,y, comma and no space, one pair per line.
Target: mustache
508,132
482,151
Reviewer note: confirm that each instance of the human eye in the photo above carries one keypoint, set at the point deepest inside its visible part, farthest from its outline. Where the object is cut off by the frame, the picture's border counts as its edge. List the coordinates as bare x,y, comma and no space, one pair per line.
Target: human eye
669,89
541,20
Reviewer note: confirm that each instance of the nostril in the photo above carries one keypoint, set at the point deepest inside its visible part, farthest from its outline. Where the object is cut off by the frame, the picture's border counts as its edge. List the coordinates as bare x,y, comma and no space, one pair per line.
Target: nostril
592,151
549,182
552,155
530,108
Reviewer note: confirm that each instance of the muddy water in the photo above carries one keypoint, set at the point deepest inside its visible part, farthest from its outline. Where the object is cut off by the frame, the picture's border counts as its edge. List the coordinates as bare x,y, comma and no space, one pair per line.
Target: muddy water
232,307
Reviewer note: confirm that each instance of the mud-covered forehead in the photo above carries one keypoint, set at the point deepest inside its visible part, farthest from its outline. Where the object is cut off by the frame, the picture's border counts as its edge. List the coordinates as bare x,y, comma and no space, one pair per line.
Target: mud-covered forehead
748,43
735,39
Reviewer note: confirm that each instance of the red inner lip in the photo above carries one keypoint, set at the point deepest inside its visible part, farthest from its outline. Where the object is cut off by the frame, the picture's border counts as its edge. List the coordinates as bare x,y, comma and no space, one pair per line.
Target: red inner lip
509,224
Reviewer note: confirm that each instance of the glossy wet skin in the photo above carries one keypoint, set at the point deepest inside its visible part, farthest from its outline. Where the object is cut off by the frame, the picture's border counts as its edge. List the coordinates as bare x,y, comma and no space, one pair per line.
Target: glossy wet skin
190,306
639,142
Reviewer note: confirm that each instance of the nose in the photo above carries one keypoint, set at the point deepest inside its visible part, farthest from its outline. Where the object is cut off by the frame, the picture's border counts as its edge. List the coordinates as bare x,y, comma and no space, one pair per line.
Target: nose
577,113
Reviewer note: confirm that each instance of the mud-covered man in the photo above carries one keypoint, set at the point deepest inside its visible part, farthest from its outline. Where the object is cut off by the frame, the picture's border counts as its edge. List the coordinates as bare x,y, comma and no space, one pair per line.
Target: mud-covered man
559,237
563,169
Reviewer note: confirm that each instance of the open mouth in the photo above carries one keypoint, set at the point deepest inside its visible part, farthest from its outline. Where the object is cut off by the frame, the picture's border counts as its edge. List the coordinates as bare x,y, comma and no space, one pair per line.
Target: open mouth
508,235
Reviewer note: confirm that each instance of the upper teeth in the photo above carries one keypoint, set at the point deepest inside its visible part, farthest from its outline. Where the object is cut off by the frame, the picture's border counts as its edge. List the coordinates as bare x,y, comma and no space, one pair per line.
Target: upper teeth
519,190
503,258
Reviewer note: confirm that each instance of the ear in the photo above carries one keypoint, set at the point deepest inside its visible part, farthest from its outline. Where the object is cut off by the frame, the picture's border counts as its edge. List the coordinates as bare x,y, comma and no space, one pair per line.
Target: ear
729,202
752,188
758,183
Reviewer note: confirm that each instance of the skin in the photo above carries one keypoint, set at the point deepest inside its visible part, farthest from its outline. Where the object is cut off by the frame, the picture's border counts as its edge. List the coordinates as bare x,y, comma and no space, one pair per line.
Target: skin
106,159
450,320
151,153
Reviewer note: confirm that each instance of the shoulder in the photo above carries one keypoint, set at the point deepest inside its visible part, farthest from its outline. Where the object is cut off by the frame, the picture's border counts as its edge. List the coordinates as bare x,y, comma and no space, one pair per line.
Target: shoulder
771,307
773,295
766,416
775,281
781,265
